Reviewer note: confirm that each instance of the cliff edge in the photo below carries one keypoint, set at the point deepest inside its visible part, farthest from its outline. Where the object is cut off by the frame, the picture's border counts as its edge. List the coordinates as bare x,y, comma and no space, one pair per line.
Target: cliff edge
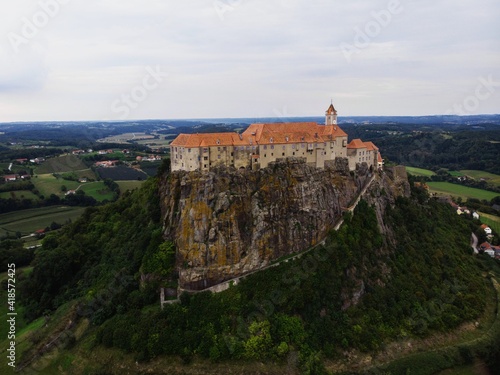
229,222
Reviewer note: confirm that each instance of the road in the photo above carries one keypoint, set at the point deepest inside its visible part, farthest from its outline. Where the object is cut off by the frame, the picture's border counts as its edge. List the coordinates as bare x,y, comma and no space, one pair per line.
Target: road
473,244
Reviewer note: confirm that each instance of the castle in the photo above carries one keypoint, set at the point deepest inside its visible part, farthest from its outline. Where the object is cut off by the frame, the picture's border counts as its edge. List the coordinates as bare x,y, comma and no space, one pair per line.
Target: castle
261,144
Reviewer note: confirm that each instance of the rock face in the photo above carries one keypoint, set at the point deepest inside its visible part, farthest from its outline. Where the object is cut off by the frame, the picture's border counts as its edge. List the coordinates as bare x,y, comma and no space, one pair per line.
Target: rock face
229,222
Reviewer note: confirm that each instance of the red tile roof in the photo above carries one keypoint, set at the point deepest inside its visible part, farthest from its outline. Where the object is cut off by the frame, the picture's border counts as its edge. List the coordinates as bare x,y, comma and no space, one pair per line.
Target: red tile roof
297,132
356,143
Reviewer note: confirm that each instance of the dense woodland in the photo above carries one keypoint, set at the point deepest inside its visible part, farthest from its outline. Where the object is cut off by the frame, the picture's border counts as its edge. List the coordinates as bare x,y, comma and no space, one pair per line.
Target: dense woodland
427,281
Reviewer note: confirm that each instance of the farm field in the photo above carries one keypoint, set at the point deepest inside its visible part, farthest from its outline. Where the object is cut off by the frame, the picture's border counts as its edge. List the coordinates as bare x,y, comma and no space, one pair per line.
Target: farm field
490,220
420,172
65,163
19,194
121,173
47,184
129,185
491,178
97,190
28,221
447,188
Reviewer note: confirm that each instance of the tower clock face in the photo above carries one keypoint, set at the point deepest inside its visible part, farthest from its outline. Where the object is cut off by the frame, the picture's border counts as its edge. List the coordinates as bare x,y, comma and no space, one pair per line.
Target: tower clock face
334,122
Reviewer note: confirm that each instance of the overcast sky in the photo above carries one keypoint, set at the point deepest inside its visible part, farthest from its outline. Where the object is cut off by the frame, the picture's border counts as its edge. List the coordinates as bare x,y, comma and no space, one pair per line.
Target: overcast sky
164,59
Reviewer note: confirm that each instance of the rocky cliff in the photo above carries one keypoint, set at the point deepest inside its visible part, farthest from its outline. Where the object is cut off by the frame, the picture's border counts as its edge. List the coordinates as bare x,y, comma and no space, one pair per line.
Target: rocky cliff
229,222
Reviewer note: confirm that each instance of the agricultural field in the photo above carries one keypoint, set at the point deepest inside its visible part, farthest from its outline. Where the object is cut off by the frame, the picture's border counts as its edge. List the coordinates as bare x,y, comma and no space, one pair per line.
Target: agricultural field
28,221
420,172
447,188
126,138
47,184
65,163
129,185
455,173
19,194
490,178
121,173
490,220
97,190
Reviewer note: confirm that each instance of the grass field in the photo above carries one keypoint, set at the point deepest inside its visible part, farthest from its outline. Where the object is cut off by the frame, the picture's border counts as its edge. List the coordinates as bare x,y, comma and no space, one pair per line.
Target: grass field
447,188
491,220
420,172
97,190
28,221
65,163
19,194
47,184
491,178
129,185
455,173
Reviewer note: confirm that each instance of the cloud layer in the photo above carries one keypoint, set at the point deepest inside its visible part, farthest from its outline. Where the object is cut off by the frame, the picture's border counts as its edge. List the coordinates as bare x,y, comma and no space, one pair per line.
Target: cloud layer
81,60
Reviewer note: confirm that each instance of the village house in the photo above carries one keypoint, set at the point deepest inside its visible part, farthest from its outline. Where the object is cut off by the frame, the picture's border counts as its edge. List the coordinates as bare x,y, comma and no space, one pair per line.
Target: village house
106,163
486,229
264,143
11,177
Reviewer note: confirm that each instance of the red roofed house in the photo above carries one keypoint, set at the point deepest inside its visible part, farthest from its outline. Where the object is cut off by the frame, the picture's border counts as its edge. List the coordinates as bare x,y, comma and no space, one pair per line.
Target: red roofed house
486,229
263,143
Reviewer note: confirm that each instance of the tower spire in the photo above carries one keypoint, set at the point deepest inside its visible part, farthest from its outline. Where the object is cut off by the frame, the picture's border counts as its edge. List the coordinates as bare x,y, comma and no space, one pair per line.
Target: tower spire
331,115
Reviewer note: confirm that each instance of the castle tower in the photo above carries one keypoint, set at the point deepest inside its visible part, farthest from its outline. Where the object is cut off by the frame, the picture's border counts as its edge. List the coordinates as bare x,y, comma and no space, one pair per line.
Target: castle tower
331,116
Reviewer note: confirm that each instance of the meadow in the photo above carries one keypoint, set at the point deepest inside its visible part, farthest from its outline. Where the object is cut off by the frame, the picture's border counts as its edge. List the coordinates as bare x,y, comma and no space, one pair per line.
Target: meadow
420,171
491,220
490,178
28,221
129,185
65,163
47,184
19,194
97,190
465,192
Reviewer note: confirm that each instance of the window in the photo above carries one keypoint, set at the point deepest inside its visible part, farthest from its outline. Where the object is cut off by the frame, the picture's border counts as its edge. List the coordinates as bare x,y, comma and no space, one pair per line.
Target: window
218,148
293,153
224,148
272,147
189,150
265,155
205,158
272,153
284,147
265,147
218,156
283,154
302,145
205,150
293,147
204,165
232,153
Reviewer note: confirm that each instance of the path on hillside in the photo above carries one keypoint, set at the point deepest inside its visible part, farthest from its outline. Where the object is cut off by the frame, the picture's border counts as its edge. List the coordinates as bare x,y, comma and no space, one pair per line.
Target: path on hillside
225,284
473,244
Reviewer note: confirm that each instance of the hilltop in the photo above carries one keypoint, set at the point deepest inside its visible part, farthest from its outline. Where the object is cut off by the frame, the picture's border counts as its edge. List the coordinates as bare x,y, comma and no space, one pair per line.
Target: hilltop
377,279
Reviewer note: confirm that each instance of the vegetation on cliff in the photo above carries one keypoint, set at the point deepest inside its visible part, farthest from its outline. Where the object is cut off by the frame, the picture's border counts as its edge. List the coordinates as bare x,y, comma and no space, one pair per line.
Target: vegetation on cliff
359,290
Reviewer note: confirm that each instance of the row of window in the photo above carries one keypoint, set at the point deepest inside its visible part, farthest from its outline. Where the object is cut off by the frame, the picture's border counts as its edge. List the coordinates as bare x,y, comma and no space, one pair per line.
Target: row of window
242,148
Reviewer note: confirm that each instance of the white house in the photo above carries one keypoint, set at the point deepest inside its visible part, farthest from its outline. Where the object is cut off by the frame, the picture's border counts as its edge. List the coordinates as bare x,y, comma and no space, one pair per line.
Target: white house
486,229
